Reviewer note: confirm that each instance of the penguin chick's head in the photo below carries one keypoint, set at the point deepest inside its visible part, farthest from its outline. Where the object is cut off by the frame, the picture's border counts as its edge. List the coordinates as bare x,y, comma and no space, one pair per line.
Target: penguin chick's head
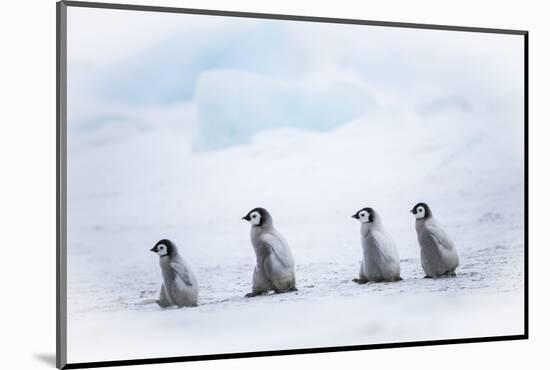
258,216
365,215
164,248
421,211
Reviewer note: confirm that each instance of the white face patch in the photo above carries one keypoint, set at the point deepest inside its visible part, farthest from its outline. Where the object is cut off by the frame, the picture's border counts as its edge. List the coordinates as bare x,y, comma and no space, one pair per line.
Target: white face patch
364,216
162,250
255,218
420,213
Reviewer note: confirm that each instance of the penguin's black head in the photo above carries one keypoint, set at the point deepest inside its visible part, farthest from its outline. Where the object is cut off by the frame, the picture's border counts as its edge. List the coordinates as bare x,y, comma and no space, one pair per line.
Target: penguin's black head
164,247
421,211
258,216
365,215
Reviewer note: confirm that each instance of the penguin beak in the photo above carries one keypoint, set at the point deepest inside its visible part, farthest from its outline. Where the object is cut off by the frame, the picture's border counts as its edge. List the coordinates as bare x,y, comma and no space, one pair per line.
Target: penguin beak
412,211
355,216
246,218
154,249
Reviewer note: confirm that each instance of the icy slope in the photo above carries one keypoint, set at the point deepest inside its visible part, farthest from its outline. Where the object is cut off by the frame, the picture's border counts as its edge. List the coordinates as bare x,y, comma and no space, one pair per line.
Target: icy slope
124,196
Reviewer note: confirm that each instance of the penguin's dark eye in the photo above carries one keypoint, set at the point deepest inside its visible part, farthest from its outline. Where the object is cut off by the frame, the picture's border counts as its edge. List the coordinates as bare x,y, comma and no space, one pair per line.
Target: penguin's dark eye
254,216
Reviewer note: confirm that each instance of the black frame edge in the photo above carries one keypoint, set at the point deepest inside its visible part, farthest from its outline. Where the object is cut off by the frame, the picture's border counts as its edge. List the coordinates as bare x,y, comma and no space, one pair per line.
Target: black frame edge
526,182
227,356
61,144
300,18
61,216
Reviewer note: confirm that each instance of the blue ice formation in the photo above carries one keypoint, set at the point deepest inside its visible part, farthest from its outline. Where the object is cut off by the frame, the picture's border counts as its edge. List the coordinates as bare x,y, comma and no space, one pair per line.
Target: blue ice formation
233,105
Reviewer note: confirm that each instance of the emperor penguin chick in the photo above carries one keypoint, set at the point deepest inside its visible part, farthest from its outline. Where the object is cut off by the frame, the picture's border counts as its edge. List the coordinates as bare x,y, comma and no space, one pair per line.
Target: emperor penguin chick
274,262
438,254
180,287
380,256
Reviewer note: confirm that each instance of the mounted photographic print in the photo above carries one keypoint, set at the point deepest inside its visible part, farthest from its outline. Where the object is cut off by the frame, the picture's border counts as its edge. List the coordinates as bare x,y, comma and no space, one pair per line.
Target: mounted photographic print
239,184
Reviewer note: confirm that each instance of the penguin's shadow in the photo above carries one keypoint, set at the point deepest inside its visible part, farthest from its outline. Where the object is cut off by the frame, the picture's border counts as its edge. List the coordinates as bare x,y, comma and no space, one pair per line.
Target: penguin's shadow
47,358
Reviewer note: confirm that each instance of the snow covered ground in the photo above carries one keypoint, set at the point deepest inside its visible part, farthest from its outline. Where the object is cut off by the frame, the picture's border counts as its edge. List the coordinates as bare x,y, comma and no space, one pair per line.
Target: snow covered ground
127,194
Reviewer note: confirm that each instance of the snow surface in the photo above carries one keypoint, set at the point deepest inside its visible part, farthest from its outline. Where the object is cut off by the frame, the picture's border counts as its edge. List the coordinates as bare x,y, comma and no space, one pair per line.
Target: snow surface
125,195
178,125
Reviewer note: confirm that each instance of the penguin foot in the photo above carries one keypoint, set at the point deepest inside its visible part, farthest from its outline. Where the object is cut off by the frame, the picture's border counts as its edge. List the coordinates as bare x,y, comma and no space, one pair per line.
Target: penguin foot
451,274
293,289
428,277
187,305
162,304
252,294
360,281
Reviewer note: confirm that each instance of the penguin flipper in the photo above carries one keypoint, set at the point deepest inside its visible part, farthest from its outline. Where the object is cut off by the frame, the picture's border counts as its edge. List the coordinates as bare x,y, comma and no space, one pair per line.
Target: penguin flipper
383,252
279,249
182,272
444,245
440,237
